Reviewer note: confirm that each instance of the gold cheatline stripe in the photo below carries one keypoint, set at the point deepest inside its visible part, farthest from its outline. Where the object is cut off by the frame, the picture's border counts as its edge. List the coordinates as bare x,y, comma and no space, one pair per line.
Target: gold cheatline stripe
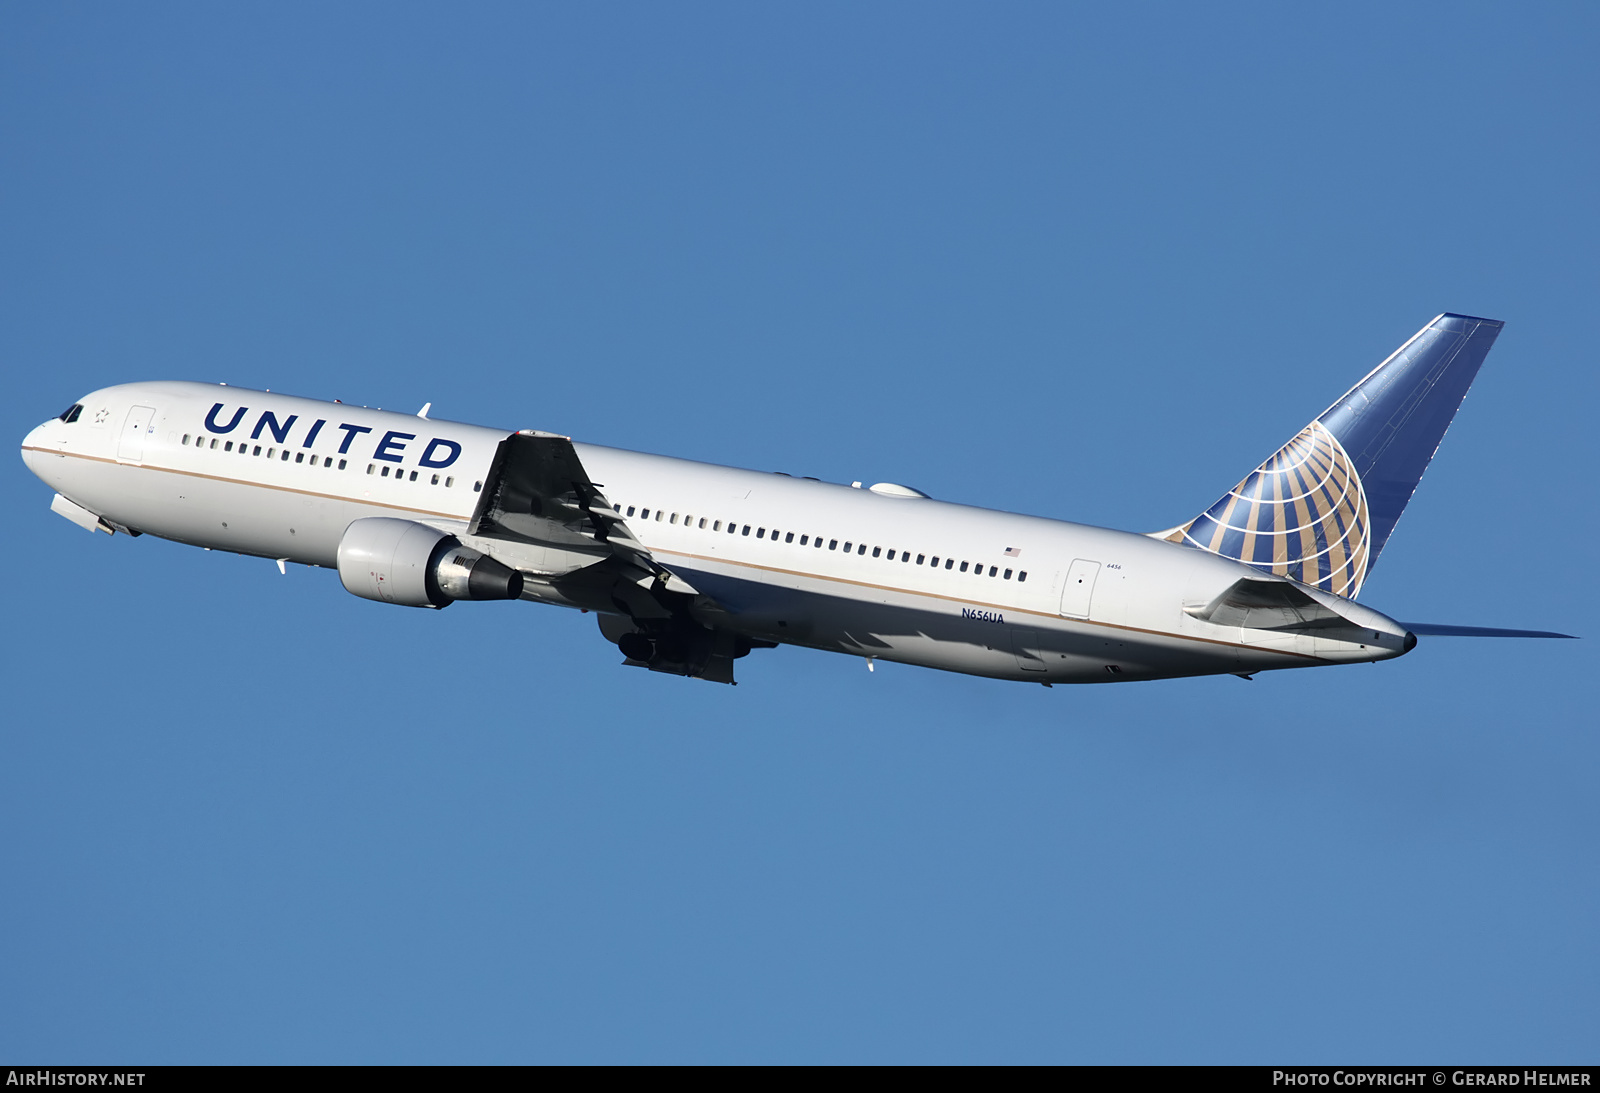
240,482
980,603
700,557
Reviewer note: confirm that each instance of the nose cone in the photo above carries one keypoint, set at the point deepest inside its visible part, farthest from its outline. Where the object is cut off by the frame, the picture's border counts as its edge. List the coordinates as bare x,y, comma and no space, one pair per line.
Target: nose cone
42,452
36,438
1411,641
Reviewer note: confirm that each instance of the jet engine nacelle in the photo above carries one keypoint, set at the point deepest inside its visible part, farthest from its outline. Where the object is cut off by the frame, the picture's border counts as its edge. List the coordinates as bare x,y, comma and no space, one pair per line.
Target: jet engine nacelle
404,562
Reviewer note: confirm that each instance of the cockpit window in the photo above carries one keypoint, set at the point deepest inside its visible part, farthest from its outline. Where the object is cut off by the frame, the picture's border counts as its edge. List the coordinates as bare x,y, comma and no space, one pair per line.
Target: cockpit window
70,414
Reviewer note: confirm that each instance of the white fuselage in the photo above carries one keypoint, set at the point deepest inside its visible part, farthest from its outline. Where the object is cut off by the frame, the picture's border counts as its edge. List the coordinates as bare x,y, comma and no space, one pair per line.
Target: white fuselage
789,560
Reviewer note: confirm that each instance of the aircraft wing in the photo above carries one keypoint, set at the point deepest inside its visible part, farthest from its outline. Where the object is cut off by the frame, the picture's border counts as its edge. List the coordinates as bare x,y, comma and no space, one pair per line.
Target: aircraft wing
538,493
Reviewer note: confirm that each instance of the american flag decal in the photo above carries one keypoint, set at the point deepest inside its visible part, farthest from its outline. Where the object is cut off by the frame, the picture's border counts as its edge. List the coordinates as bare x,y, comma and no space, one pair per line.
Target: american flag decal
1013,552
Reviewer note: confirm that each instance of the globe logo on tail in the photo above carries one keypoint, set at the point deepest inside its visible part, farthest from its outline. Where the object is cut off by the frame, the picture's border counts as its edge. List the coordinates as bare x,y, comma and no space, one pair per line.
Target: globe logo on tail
1301,514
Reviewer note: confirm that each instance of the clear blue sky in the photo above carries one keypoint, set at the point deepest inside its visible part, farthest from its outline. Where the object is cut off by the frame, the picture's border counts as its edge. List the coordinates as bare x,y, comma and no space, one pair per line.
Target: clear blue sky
1087,262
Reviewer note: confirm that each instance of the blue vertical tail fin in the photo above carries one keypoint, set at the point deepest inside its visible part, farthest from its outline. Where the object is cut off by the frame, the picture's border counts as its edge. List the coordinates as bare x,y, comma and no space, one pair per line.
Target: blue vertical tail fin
1322,507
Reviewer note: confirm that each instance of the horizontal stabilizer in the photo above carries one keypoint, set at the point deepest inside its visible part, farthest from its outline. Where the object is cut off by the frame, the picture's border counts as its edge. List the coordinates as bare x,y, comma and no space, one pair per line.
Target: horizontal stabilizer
1269,605
1439,630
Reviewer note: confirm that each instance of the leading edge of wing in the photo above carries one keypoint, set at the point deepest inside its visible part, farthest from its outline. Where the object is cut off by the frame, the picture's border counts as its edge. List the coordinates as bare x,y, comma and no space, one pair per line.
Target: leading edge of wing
1440,630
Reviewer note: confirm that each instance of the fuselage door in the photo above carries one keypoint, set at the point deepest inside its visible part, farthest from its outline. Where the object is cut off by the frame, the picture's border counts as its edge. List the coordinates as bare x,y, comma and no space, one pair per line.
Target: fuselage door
1079,590
139,424
1025,646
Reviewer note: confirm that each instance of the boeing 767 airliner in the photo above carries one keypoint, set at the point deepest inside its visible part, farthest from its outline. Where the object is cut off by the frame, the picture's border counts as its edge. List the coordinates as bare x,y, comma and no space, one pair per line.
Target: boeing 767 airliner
689,566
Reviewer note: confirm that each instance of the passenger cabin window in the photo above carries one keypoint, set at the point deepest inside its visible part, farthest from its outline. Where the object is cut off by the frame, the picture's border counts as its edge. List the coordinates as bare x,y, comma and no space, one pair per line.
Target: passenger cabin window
963,567
789,538
630,510
448,482
833,544
342,463
702,522
747,529
993,570
1022,575
1008,574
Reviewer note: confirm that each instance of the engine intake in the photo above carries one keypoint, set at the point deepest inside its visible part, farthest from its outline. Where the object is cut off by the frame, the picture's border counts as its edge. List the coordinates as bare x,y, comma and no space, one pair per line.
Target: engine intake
404,562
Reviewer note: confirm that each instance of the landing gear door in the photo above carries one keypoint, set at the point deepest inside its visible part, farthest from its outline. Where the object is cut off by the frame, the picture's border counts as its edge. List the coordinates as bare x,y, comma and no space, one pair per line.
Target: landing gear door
1079,590
139,424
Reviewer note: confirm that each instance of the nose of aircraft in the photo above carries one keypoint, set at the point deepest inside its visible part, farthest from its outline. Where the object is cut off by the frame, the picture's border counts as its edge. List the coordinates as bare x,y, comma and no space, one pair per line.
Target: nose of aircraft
33,439
39,440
